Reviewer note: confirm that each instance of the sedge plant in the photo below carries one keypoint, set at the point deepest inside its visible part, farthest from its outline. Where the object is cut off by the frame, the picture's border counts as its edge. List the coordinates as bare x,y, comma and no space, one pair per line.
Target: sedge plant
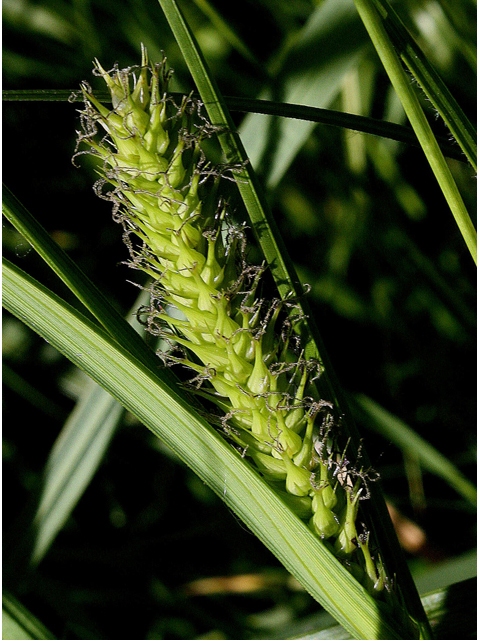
242,337
243,352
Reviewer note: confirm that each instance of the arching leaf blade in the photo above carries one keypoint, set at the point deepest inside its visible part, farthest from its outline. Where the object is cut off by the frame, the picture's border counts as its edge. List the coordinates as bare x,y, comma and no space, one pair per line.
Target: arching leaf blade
175,422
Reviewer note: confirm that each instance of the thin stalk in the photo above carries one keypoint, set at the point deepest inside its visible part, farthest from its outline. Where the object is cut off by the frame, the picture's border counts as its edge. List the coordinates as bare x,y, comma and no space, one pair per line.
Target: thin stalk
418,120
330,117
431,83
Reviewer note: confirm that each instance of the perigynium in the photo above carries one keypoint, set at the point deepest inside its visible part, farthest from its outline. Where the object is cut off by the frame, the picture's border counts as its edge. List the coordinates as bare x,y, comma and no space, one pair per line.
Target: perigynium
245,352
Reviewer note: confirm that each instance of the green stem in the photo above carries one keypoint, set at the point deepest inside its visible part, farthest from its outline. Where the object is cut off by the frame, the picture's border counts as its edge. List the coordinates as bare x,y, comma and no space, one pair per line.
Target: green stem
404,88
431,83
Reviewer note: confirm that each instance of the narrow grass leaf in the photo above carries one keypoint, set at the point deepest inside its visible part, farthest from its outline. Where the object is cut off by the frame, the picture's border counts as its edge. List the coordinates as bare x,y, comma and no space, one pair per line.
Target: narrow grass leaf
395,430
76,456
312,71
354,122
175,422
72,463
81,286
415,114
19,624
430,82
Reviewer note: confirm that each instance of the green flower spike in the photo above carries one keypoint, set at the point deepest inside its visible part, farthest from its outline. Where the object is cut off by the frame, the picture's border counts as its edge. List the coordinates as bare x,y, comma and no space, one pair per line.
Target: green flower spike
243,351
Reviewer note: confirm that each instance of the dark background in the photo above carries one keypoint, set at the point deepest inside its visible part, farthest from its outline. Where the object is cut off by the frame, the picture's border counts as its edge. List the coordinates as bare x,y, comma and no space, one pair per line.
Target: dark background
393,293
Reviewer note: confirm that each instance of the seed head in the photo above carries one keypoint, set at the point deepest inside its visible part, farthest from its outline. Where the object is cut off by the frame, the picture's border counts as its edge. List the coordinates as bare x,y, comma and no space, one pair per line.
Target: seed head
244,352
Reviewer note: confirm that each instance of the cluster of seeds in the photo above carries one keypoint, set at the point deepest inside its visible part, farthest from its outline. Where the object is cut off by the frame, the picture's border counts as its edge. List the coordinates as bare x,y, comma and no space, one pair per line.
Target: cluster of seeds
244,352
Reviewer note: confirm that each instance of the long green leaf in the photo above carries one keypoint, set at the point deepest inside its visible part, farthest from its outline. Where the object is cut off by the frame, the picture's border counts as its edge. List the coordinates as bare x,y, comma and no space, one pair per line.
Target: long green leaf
313,67
76,280
19,624
72,463
284,274
418,120
362,124
394,429
77,454
174,421
431,83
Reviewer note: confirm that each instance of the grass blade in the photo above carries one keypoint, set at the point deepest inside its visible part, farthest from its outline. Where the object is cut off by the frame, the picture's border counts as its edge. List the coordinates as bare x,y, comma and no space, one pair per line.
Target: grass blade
76,456
311,73
72,463
415,114
395,430
19,624
173,420
431,83
75,279
362,124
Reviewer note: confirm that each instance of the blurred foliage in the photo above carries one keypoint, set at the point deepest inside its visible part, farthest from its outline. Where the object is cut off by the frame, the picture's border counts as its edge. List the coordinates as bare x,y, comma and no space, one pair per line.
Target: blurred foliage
393,293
